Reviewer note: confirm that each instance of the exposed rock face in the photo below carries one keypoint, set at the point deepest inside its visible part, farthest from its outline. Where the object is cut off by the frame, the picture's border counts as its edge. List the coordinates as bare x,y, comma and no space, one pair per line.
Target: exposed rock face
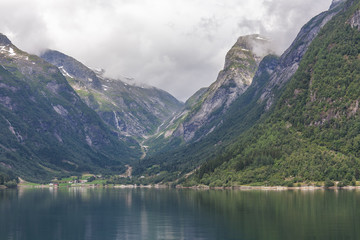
336,3
355,20
241,63
131,110
289,61
240,66
72,68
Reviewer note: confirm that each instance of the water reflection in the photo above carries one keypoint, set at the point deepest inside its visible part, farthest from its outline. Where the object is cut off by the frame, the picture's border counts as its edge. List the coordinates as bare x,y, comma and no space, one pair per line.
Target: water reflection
86,213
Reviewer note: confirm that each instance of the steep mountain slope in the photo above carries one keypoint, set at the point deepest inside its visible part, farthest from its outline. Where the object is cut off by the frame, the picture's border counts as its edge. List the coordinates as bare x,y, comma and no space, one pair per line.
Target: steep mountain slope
289,61
130,110
252,107
46,130
200,114
313,132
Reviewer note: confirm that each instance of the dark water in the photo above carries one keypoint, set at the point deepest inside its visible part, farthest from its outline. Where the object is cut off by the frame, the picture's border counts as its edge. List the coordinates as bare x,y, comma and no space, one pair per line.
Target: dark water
103,214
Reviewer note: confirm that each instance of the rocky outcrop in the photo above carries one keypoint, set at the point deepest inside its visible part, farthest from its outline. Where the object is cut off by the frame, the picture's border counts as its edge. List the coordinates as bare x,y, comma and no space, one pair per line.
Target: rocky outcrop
354,21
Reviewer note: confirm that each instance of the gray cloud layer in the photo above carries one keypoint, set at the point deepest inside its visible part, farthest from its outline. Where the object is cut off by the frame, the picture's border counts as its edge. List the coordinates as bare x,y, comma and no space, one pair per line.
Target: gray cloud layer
176,45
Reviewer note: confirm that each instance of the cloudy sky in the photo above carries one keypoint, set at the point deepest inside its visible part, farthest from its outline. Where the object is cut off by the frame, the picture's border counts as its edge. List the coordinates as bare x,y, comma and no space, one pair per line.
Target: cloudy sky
176,45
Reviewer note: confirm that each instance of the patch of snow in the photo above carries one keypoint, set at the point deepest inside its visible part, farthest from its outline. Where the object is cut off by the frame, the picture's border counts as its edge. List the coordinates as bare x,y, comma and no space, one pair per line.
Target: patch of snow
64,72
105,87
90,80
60,110
11,51
260,38
88,140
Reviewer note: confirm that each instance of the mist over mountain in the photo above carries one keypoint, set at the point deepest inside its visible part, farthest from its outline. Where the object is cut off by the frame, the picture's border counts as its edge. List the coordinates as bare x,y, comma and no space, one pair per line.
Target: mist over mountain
178,46
130,109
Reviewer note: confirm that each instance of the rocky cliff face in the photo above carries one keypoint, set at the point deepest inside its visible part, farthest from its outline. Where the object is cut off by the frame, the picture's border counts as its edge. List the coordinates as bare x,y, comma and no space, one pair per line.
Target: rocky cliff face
46,129
289,61
241,63
131,110
336,3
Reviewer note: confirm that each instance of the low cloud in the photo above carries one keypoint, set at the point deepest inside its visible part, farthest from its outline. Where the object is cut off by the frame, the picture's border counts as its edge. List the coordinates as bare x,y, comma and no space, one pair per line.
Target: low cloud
177,45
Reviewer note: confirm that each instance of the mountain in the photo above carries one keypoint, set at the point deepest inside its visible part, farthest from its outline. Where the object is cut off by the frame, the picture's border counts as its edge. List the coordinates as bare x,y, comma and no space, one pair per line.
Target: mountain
46,129
311,132
228,151
136,111
202,111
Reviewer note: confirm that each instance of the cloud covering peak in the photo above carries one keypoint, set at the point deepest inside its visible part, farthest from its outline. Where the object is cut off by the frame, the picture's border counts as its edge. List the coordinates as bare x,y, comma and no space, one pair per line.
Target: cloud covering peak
177,45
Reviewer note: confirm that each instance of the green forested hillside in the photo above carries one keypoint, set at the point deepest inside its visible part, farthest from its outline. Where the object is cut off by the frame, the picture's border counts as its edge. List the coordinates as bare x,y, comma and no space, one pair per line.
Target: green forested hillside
242,114
45,128
313,132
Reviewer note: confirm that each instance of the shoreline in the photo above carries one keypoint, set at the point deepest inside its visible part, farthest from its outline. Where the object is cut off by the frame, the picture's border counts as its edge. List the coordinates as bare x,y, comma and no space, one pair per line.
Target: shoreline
163,186
271,188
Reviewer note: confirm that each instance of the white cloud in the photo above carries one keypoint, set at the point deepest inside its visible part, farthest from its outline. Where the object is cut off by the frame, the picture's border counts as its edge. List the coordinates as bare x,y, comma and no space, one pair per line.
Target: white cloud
177,45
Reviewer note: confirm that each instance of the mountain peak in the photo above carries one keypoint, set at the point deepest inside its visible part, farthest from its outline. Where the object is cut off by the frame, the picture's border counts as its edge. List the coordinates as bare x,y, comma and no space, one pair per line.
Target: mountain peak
4,40
253,46
248,42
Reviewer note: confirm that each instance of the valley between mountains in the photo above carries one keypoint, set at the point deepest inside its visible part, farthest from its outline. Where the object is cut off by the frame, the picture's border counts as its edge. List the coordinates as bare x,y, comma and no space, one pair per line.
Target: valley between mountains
272,120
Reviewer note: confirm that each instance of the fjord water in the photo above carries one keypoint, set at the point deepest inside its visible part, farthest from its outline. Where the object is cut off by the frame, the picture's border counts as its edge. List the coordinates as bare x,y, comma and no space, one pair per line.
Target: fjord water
85,213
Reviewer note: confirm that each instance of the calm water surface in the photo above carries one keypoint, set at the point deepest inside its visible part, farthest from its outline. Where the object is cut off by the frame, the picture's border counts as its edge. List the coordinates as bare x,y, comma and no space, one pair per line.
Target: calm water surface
83,213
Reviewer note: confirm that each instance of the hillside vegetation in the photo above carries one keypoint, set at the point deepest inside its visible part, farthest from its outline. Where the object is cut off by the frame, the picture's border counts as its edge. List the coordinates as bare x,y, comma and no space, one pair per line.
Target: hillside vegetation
313,132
